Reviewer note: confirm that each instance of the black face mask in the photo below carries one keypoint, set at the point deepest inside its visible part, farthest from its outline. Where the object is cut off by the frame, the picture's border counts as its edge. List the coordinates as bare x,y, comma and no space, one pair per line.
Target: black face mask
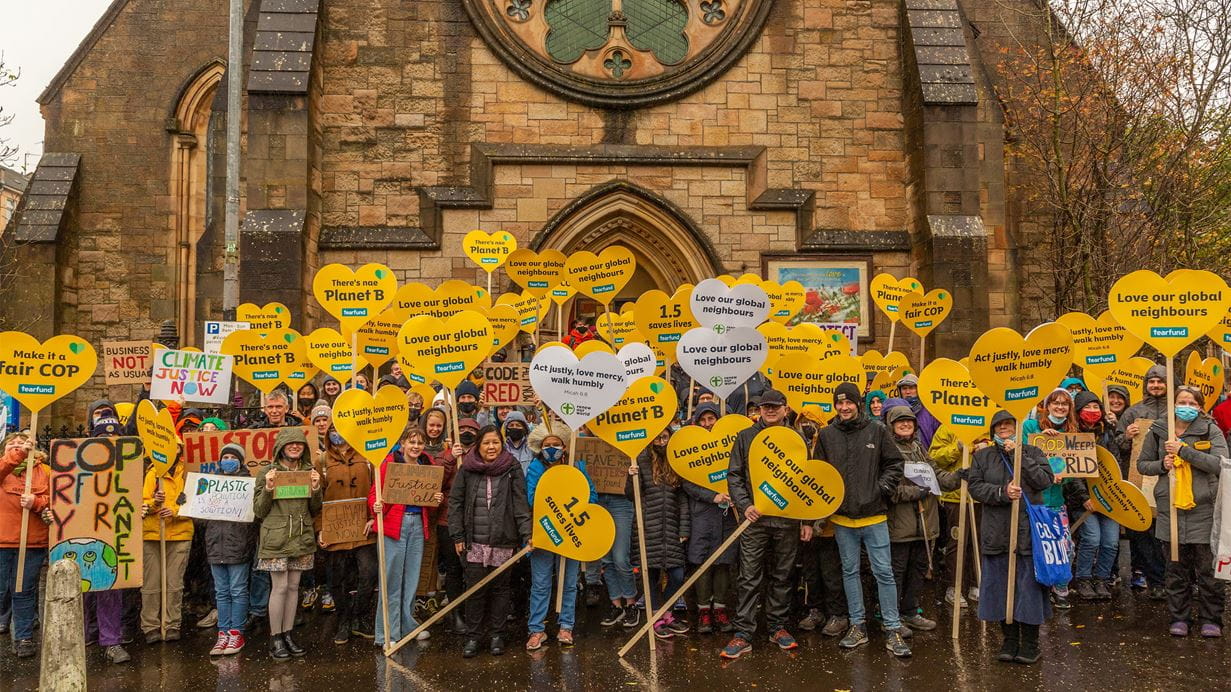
467,439
515,434
413,413
468,407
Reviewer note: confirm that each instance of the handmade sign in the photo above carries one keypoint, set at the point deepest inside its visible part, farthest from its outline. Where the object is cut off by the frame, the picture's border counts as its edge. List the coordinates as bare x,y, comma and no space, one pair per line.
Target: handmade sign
126,362
536,272
577,390
722,360
888,291
948,393
412,484
181,375
215,332
565,522
507,384
785,300
785,482
344,521
446,351
1131,375
809,384
884,371
371,424
606,465
265,361
443,302
721,307
377,339
1116,498
1100,345
780,340
221,498
354,296
201,450
1146,483
489,251
37,374
1075,452
505,322
292,485
1170,313
639,360
701,456
664,319
644,411
263,318
616,329
600,276
923,312
156,429
1017,372
529,309
1206,375
921,474
96,488
331,352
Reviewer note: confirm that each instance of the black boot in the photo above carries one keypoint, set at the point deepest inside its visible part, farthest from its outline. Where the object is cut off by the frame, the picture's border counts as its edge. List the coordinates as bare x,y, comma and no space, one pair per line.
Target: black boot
1028,652
277,648
1012,642
457,624
470,649
295,649
497,647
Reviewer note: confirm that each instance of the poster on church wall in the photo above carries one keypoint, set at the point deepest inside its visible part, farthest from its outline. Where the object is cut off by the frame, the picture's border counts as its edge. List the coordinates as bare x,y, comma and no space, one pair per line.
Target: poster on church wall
835,290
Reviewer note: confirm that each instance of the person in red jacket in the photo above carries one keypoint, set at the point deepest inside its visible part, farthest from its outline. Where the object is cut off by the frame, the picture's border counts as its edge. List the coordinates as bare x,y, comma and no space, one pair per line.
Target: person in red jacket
19,460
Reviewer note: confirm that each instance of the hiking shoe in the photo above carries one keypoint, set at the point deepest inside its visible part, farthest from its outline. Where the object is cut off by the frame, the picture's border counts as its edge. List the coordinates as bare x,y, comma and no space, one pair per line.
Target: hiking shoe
897,645
116,654
722,619
1102,590
738,646
811,620
902,630
536,641
662,628
972,594
856,635
615,617
221,645
1085,590
1138,582
173,635
784,640
705,621
25,648
1158,593
1060,602
470,649
1179,629
565,637
210,620
678,625
835,626
632,617
918,622
363,628
949,598
327,603
235,642
1209,630
153,637
308,599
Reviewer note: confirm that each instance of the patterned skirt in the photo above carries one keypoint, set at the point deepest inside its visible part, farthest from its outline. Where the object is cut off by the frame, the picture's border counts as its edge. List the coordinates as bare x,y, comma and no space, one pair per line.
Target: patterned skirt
301,563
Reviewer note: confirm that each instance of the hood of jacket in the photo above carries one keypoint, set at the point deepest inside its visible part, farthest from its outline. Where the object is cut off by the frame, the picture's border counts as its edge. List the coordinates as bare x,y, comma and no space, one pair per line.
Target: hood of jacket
285,437
1155,371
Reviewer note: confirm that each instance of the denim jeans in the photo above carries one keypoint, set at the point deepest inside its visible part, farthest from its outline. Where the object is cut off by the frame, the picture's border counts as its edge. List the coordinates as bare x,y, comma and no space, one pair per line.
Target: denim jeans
542,593
25,602
1100,543
231,595
403,558
617,569
675,579
875,539
259,586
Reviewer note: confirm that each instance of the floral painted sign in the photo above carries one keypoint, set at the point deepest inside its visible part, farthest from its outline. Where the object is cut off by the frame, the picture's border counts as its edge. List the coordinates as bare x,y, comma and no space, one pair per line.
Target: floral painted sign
835,291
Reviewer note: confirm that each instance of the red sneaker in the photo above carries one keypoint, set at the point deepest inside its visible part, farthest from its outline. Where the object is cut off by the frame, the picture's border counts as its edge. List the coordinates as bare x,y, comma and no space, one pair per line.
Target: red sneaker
235,642
705,621
722,618
220,646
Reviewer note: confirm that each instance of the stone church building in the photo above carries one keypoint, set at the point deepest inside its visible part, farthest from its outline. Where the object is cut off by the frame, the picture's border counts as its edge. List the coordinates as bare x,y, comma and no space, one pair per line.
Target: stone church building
709,136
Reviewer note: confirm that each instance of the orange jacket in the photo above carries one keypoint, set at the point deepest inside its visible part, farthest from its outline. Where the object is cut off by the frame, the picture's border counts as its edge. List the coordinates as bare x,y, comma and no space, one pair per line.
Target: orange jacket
11,488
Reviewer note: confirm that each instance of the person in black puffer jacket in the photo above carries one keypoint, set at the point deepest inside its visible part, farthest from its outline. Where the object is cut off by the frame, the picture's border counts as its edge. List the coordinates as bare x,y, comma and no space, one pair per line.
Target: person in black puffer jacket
229,546
666,517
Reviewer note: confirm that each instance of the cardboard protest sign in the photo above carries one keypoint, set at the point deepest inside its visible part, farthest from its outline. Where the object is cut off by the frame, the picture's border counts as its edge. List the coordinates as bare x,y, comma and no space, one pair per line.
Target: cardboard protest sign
722,360
600,276
343,521
948,393
884,371
923,312
663,319
216,331
126,362
721,307
1018,372
701,456
565,522
809,384
331,352
1074,450
37,374
536,272
191,376
606,465
1169,313
443,301
370,424
577,390
785,300
507,384
96,488
354,297
888,290
1206,376
488,250
157,432
1116,498
222,498
266,361
639,360
1100,345
786,483
644,411
263,318
448,350
413,484
1146,483
201,450
292,485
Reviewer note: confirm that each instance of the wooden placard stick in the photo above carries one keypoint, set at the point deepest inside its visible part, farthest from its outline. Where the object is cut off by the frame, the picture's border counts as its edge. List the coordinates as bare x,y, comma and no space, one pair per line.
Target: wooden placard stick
162,564
25,513
457,435
961,543
1175,522
645,568
974,541
561,565
380,554
893,326
1013,522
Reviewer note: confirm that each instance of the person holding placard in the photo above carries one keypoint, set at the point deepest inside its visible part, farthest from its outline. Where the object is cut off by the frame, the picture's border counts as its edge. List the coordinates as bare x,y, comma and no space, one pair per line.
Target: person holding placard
407,528
821,572
106,614
908,389
161,503
711,521
946,453
991,482
307,396
1098,535
1055,415
287,544
228,549
874,403
330,389
349,566
445,453
617,565
19,459
1145,549
467,399
1194,457
489,519
667,522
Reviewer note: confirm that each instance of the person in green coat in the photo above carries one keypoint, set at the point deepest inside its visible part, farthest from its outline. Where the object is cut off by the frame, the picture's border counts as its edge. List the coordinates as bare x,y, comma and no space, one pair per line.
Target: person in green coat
287,540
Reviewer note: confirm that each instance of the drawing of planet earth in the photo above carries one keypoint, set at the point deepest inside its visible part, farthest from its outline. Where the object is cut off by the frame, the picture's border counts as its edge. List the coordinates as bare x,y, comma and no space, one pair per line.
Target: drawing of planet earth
96,559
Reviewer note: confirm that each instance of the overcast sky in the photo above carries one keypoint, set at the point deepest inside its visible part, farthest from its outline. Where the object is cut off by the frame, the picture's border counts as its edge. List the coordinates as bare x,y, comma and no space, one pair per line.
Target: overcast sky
36,37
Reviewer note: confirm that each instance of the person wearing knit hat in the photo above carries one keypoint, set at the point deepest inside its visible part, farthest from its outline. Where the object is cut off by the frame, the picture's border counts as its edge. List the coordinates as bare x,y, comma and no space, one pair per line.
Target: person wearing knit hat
710,523
467,399
871,465
322,419
908,389
213,424
228,550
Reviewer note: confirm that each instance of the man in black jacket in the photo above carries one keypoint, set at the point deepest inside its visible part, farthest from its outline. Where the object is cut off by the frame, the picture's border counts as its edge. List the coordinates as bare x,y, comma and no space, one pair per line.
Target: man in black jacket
870,463
776,537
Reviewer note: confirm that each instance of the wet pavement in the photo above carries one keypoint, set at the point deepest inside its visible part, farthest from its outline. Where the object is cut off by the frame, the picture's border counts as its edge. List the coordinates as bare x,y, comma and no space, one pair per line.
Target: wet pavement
1121,645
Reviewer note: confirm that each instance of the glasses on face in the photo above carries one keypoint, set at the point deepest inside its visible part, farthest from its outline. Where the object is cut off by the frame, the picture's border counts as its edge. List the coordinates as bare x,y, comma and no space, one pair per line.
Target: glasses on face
770,407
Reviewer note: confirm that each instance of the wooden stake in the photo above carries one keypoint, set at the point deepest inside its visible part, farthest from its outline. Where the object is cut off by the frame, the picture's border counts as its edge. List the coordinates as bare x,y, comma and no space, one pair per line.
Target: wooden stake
893,326
691,383
923,347
354,357
927,544
670,601
1175,522
645,568
1074,526
162,560
457,435
1013,521
25,514
454,603
974,542
961,544
560,564
380,556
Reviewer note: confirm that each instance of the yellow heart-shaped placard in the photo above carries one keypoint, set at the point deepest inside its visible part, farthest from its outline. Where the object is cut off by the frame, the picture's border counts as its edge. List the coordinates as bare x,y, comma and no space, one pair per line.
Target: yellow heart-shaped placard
923,312
448,350
888,290
884,371
378,338
781,340
948,393
701,456
585,348
37,374
561,292
354,296
1206,375
370,424
1099,344
664,319
1117,498
529,309
536,272
785,300
489,251
444,301
1221,333
786,483
809,384
615,329
156,429
505,322
331,352
1169,313
600,276
1131,375
644,411
266,361
1019,372
263,318
565,522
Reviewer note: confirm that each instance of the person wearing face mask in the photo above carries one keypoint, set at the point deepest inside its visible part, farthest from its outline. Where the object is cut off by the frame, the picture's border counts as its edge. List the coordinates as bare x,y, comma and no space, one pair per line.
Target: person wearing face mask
1099,535
468,434
1148,562
1194,458
666,519
445,453
228,549
1073,385
825,601
550,449
1053,416
991,482
414,407
352,565
467,399
711,520
161,499
908,389
516,432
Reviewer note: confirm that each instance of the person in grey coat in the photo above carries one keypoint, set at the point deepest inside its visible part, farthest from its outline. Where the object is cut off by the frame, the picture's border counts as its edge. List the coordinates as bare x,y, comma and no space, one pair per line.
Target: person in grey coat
666,523
1149,564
